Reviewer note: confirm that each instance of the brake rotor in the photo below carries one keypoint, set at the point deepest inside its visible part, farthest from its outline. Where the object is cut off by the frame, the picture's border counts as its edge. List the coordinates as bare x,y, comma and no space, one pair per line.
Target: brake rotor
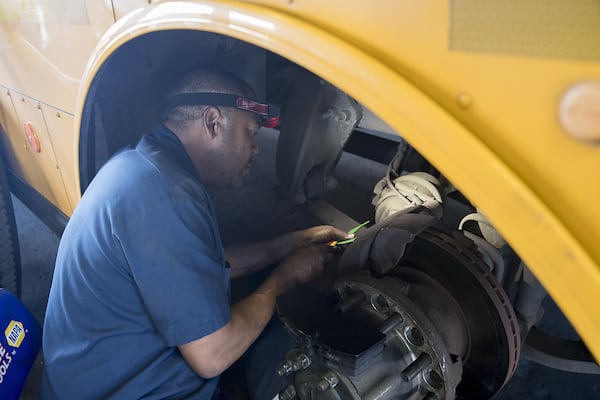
489,343
438,325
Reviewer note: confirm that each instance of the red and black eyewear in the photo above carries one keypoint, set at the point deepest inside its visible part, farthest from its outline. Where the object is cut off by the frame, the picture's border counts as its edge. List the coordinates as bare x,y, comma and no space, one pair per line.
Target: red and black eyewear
268,113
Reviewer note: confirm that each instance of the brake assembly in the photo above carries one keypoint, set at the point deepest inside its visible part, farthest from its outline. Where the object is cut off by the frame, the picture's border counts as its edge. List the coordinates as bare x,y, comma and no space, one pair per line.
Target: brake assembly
409,313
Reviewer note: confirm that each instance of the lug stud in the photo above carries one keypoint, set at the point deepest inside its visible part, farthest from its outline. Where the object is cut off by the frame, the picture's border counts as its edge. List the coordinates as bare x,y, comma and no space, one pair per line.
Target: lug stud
422,362
329,381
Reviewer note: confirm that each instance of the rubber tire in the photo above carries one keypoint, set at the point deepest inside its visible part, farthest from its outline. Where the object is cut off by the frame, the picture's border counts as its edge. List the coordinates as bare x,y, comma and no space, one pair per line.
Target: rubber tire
10,260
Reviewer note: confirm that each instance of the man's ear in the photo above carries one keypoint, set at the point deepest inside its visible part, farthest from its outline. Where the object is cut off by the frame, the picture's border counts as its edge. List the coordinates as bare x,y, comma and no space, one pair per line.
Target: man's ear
212,119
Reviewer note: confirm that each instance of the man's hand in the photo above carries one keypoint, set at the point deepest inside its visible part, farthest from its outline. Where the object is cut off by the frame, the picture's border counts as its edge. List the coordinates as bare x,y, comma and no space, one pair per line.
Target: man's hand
320,235
249,258
304,265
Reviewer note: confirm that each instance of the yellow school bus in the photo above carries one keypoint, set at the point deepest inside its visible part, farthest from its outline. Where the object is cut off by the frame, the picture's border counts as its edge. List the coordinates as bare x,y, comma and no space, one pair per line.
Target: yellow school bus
488,107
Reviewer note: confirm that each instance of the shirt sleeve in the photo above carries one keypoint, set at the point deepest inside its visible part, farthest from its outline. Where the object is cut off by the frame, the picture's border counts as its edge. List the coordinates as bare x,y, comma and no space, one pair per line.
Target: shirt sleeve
175,256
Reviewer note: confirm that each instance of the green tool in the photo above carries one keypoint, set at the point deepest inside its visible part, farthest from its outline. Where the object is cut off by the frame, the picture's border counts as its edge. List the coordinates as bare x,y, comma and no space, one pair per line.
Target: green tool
351,232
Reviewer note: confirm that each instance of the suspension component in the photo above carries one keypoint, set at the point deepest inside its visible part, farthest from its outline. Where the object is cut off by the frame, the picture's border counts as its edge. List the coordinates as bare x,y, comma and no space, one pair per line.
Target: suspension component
439,326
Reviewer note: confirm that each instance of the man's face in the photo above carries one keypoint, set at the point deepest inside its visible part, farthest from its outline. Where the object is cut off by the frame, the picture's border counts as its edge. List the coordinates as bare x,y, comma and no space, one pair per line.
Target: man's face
238,147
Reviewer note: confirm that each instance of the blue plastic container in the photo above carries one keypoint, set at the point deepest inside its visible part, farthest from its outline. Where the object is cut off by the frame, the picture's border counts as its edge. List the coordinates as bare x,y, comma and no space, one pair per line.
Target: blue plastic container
20,342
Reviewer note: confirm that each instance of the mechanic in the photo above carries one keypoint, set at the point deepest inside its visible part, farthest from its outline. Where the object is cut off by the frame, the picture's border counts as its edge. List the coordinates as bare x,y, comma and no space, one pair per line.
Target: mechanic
139,303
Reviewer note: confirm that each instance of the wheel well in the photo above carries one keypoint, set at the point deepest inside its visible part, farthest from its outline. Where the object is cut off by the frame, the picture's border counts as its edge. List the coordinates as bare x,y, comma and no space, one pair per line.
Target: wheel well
124,99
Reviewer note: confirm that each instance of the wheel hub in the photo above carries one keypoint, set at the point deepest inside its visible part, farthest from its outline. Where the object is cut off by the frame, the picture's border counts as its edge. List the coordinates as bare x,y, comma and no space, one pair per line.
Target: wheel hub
437,327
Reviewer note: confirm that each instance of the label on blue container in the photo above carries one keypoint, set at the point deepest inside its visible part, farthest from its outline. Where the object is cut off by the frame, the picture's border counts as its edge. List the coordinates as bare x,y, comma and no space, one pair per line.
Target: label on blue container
5,361
15,333
20,340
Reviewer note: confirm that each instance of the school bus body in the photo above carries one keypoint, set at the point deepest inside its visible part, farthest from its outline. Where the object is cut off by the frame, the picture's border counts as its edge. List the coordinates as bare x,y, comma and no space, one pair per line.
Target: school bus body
503,98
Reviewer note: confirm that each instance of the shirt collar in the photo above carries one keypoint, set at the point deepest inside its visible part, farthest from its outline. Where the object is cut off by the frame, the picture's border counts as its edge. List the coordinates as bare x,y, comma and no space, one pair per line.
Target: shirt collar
170,143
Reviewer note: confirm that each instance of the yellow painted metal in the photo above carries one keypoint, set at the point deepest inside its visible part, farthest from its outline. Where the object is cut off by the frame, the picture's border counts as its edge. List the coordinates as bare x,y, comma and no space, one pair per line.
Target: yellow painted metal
45,46
61,129
51,43
41,169
9,123
486,117
51,172
487,121
544,197
532,28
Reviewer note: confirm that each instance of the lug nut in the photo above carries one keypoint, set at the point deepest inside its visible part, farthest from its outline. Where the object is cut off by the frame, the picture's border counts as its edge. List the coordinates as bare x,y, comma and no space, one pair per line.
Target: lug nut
285,369
289,393
328,381
301,362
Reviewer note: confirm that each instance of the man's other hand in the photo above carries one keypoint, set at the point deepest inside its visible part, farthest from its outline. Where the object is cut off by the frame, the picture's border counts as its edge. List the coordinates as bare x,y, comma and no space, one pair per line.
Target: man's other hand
304,265
322,234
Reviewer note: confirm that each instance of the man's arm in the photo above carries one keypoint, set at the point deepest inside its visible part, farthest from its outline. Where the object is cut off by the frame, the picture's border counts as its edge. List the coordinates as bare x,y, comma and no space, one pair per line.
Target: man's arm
248,258
210,355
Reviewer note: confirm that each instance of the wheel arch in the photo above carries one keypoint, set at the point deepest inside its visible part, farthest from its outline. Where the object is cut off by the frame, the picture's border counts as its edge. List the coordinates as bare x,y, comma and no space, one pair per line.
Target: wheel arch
564,267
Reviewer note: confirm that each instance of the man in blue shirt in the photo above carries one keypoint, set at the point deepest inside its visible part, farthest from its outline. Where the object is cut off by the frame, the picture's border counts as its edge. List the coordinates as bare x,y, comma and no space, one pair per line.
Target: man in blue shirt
139,304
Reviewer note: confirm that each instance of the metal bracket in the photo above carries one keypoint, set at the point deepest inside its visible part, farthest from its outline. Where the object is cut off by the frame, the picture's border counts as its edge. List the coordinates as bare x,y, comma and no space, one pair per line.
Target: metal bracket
317,121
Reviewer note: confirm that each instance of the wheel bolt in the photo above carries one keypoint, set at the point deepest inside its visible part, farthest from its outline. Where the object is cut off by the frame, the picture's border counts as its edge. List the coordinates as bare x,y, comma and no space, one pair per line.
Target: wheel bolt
285,369
391,323
289,393
416,367
328,381
301,362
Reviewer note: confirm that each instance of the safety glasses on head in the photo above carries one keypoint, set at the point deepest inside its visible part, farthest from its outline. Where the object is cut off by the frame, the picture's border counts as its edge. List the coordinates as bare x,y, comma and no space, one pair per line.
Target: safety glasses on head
268,113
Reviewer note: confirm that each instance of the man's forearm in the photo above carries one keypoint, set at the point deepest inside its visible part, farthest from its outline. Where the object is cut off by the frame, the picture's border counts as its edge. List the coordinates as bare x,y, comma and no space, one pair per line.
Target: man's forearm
248,258
213,354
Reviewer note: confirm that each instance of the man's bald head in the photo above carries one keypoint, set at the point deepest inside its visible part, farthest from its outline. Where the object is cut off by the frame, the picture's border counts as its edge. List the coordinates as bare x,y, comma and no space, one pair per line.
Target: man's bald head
220,140
210,80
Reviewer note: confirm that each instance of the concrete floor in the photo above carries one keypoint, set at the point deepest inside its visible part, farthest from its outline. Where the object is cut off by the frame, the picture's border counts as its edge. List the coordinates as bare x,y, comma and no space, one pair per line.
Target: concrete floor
253,213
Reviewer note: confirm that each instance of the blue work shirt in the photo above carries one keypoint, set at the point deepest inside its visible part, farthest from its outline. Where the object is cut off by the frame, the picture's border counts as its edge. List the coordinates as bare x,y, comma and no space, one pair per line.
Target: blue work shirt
140,270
